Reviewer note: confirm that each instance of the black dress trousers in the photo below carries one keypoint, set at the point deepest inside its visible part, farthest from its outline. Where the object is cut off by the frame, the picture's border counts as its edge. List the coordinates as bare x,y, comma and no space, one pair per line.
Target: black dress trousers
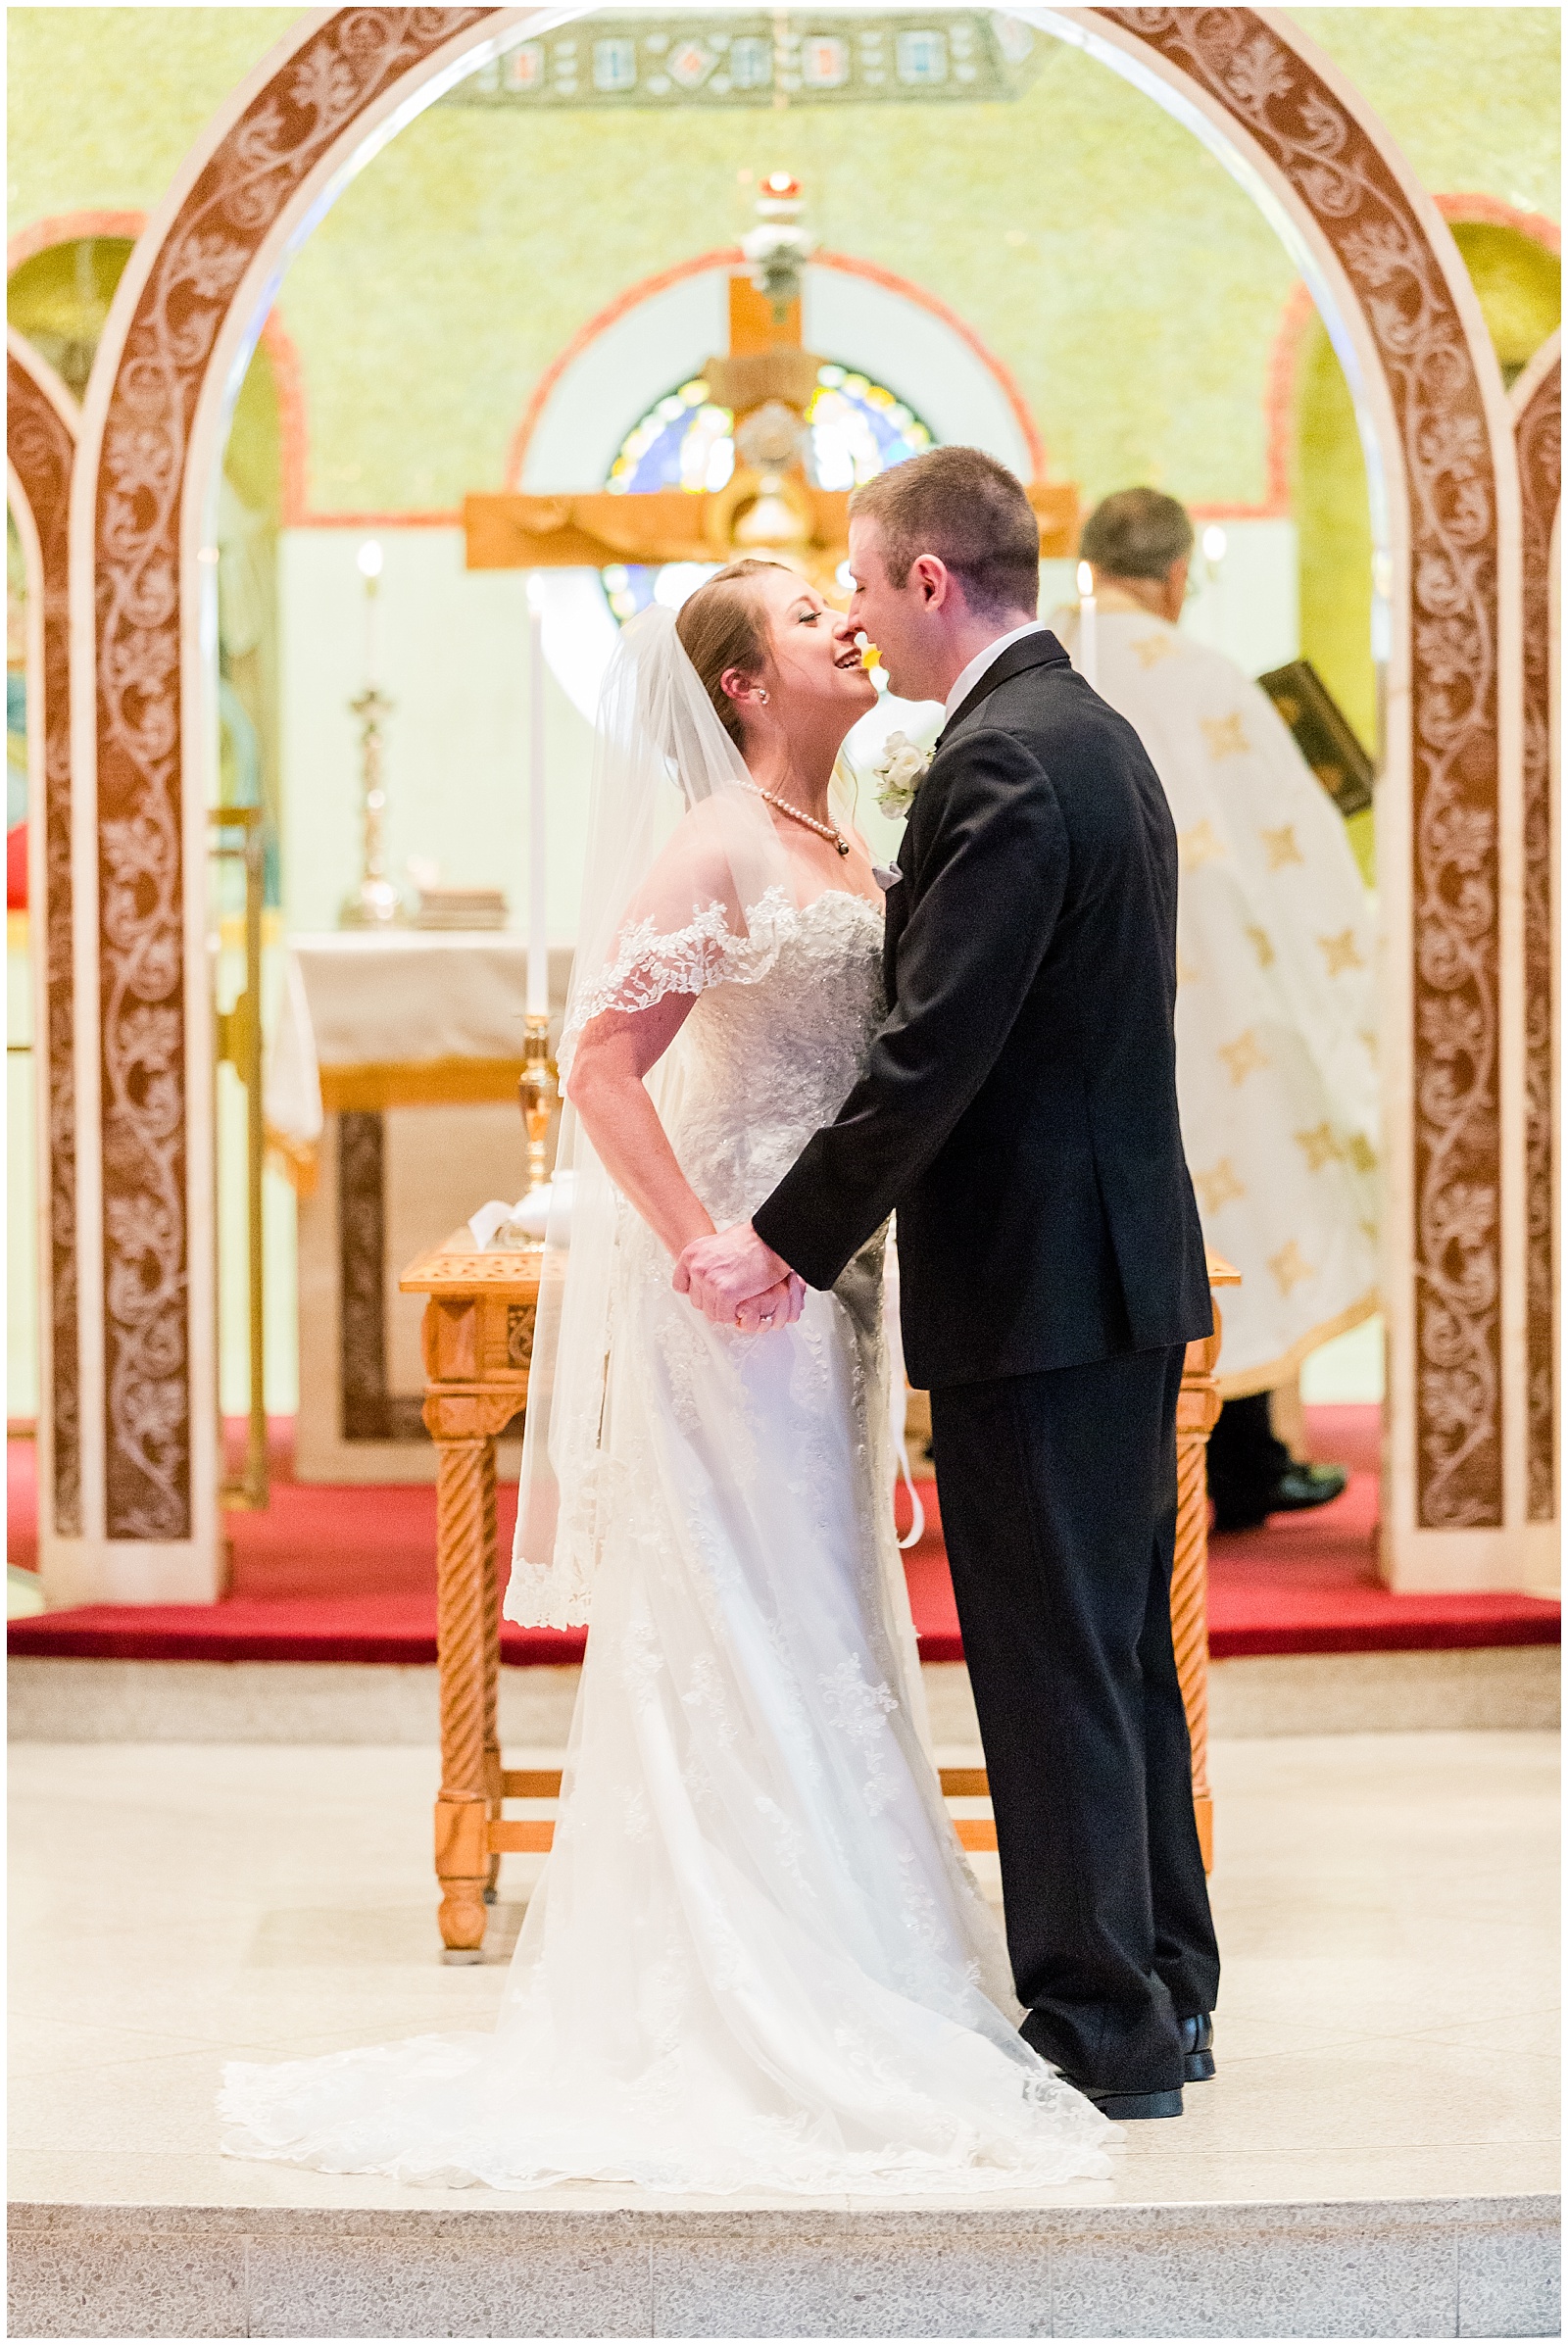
1058,1504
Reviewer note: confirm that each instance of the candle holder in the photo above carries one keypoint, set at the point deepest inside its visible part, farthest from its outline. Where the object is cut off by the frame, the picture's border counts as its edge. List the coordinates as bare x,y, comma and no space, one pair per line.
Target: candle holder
524,1227
377,902
537,1091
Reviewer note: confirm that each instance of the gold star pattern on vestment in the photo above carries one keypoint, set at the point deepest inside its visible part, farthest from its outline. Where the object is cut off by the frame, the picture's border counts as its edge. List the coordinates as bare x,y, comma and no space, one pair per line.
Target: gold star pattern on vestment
1289,1267
1188,971
1258,939
1219,1185
1319,1147
1340,953
1244,1056
1364,1034
1152,649
1362,1154
1198,846
1225,736
1280,847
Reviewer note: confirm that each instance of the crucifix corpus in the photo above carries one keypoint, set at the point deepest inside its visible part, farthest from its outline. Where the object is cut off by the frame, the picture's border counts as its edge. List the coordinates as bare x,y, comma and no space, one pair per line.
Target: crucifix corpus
770,504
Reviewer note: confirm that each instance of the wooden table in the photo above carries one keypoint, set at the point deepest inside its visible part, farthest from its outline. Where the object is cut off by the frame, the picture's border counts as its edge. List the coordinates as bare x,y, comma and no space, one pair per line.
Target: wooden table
478,1343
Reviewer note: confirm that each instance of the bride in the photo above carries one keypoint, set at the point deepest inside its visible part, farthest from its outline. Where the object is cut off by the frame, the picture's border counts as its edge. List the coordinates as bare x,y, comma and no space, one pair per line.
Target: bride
756,1958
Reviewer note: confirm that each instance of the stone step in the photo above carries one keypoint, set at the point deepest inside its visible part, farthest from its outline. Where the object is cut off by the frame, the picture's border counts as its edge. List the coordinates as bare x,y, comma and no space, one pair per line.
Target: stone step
1373,2268
68,1700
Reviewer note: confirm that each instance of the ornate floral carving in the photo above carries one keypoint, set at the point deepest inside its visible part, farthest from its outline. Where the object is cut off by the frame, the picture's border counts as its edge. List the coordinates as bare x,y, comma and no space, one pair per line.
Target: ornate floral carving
1240,60
361,1275
1537,435
519,1334
341,69
41,447
370,1411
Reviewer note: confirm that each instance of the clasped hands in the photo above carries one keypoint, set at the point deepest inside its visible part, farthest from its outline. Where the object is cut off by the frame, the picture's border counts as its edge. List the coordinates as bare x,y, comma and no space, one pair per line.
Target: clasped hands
736,1281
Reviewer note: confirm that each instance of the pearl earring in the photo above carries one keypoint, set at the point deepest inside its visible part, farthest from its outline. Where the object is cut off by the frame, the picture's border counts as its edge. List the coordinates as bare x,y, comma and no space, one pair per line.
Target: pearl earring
762,697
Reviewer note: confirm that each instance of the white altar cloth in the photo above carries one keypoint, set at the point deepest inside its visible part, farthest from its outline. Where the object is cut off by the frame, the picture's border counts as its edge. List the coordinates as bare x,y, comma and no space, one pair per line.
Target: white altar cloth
410,999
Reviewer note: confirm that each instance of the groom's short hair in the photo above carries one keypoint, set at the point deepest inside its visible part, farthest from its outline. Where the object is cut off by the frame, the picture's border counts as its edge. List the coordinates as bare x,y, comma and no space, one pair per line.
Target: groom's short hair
968,510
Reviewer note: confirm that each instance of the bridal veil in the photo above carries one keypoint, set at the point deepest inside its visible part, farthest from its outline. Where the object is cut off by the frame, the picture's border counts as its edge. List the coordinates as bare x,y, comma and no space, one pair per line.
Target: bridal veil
685,886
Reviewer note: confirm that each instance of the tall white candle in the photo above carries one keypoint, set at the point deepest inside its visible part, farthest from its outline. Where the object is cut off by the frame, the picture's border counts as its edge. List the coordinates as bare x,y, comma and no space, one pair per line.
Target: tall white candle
538,911
1214,546
368,560
1088,627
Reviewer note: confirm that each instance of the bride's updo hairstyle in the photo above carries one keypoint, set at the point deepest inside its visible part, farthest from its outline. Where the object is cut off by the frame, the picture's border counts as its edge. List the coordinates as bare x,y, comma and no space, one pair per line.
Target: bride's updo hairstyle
721,627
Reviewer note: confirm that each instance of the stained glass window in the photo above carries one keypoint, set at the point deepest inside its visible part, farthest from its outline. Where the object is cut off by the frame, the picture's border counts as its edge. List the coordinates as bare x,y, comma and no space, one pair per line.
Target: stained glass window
859,427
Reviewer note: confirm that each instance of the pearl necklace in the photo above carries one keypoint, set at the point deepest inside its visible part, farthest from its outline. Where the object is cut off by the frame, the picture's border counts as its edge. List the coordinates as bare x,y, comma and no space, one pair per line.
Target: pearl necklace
824,830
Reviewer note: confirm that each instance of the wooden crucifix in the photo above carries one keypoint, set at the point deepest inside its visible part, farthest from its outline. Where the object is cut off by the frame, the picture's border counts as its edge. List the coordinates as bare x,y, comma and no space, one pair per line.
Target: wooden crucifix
768,505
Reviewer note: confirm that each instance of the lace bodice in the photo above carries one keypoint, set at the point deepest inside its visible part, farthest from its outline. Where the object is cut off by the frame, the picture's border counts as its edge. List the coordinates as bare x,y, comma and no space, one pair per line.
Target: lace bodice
767,1059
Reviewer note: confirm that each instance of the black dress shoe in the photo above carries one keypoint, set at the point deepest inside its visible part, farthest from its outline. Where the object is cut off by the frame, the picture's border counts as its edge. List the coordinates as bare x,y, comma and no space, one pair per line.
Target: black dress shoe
1303,1486
1296,1490
1120,2106
1198,2057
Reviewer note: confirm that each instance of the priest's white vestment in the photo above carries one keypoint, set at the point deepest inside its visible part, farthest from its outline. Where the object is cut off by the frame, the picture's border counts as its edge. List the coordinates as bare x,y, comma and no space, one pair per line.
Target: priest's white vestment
1276,1013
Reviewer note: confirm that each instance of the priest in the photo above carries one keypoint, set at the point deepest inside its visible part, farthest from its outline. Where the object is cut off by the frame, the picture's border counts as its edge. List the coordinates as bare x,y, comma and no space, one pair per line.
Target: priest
1276,1013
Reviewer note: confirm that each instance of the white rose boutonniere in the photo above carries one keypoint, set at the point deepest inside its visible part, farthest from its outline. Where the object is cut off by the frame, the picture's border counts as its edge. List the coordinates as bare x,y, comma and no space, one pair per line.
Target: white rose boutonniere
898,773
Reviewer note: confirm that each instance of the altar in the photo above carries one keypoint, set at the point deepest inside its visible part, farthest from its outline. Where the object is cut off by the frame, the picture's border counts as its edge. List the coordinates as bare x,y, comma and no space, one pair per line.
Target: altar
391,1098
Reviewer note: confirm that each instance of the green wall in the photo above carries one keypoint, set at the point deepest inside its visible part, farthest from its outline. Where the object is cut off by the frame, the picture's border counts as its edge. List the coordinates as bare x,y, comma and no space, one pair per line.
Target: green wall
1099,251
103,102
1471,94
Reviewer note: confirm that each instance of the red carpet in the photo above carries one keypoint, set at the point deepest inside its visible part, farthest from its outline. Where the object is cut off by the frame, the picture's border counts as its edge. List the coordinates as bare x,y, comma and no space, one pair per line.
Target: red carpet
333,1573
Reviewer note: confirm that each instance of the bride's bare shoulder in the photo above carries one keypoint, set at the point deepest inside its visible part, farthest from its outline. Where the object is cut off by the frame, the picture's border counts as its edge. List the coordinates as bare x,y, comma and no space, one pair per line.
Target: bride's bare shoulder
720,837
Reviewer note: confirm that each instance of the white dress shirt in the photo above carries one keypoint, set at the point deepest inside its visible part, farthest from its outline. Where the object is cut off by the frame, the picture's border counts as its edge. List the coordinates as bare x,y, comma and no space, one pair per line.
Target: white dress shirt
977,666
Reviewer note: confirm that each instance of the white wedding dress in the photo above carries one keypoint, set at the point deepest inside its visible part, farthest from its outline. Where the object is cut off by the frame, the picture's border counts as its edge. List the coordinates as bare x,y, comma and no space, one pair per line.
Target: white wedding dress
756,1958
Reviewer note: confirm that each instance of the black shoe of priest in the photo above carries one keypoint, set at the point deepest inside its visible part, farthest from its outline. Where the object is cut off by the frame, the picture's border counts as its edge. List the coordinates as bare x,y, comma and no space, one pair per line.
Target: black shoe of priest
1303,1486
1296,1490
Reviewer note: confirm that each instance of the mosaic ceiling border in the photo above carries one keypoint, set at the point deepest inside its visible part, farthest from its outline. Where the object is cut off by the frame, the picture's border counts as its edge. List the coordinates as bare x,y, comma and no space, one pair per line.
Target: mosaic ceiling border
766,58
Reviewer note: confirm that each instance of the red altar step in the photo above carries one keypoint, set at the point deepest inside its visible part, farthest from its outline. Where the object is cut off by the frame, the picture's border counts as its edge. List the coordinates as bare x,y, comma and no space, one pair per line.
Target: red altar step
337,1574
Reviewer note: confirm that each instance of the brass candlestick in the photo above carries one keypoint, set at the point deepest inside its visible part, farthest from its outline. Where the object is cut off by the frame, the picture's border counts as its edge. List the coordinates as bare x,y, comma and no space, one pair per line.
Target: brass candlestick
377,902
536,1089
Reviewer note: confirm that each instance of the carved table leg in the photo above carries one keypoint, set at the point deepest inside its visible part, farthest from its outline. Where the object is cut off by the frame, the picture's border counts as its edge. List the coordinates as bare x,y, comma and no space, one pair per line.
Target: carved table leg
1195,1414
492,1665
466,1517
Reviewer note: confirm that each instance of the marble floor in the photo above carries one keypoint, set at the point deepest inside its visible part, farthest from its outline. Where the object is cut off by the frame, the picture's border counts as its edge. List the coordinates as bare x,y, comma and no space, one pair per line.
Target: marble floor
1386,1906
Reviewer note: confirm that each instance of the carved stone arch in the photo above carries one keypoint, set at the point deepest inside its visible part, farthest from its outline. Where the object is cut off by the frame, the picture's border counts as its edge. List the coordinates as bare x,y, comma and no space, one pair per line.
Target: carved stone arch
41,426
1389,281
1393,293
1536,403
184,319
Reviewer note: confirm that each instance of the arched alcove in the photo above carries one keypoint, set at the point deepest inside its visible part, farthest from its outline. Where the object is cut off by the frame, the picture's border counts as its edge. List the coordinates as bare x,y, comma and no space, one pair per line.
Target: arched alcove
1514,266
1438,443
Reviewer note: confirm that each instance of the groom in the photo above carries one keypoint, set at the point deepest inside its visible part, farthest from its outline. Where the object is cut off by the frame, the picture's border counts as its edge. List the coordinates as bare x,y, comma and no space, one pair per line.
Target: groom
1019,1111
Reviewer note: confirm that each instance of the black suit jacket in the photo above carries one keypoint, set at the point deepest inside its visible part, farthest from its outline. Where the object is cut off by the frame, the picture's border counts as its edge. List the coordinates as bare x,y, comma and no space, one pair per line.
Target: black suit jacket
1019,1104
